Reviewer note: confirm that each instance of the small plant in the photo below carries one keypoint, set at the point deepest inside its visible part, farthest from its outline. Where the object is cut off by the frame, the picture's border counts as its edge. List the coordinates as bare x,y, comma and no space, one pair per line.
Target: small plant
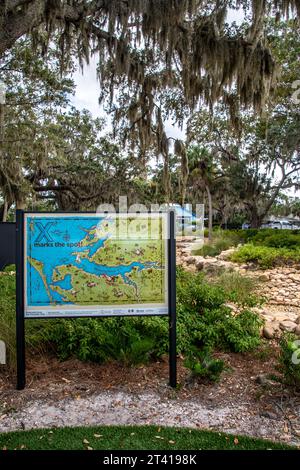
264,353
99,340
239,289
289,359
203,365
10,268
7,316
222,240
139,352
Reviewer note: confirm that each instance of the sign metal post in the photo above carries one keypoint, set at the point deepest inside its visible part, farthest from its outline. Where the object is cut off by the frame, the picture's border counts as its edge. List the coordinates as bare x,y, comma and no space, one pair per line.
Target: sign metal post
20,320
172,300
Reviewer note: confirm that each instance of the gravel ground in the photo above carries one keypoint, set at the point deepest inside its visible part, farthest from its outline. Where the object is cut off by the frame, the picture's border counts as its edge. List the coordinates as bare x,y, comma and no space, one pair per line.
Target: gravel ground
110,408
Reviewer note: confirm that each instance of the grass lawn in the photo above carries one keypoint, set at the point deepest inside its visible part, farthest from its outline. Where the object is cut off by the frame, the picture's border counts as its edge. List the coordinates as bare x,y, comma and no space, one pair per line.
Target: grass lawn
130,438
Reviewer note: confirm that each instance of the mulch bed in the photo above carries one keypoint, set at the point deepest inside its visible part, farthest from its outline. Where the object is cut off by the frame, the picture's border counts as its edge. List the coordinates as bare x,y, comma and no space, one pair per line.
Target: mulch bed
48,378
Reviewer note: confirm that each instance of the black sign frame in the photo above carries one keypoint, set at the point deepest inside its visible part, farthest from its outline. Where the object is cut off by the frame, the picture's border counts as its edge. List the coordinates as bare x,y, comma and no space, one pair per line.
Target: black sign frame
20,297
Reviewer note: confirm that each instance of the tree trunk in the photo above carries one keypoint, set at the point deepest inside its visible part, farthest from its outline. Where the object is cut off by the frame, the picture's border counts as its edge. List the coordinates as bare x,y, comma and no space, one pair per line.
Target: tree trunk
255,218
183,189
210,214
20,204
4,211
19,22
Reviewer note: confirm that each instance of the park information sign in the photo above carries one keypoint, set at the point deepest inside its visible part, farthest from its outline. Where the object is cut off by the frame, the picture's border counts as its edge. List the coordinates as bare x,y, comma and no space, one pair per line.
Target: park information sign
95,265
87,265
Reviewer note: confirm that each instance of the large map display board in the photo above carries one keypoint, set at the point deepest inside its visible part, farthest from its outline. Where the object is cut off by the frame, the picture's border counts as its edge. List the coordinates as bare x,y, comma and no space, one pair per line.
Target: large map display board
95,264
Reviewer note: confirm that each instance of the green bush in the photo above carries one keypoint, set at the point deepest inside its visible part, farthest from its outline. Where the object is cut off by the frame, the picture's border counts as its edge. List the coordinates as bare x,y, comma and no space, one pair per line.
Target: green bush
208,322
10,268
203,365
247,235
7,316
222,240
265,256
276,238
36,336
215,248
239,289
129,340
289,359
283,241
265,247
203,322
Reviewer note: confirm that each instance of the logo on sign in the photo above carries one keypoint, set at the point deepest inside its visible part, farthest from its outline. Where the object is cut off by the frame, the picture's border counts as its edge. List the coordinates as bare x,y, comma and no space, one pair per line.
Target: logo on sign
44,235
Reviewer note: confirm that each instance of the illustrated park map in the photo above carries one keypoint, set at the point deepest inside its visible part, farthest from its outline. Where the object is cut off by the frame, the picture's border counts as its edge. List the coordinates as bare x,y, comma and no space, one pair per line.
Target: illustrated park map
87,265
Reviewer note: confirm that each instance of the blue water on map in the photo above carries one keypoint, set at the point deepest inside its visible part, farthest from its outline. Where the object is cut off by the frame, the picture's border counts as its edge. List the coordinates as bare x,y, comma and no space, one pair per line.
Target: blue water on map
65,231
64,283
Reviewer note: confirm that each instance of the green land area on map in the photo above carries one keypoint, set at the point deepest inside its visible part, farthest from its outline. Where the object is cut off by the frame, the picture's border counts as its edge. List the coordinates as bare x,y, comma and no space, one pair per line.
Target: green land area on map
119,271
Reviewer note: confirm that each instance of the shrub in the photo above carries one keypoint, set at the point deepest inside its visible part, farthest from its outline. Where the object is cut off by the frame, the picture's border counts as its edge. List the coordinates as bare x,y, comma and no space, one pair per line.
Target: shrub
203,365
124,339
203,322
218,329
247,235
35,337
215,248
208,322
197,295
289,359
222,240
10,268
239,289
240,333
265,256
281,240
7,316
270,237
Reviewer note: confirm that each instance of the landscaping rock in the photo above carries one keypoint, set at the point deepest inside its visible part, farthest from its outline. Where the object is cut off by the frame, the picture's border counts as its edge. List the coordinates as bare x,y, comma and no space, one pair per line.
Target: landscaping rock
199,265
226,254
279,286
268,332
297,330
288,325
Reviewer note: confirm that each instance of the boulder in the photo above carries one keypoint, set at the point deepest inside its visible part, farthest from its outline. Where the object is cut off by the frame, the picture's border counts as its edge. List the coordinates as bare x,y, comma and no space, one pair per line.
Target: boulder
199,265
297,330
190,260
268,332
288,325
226,254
